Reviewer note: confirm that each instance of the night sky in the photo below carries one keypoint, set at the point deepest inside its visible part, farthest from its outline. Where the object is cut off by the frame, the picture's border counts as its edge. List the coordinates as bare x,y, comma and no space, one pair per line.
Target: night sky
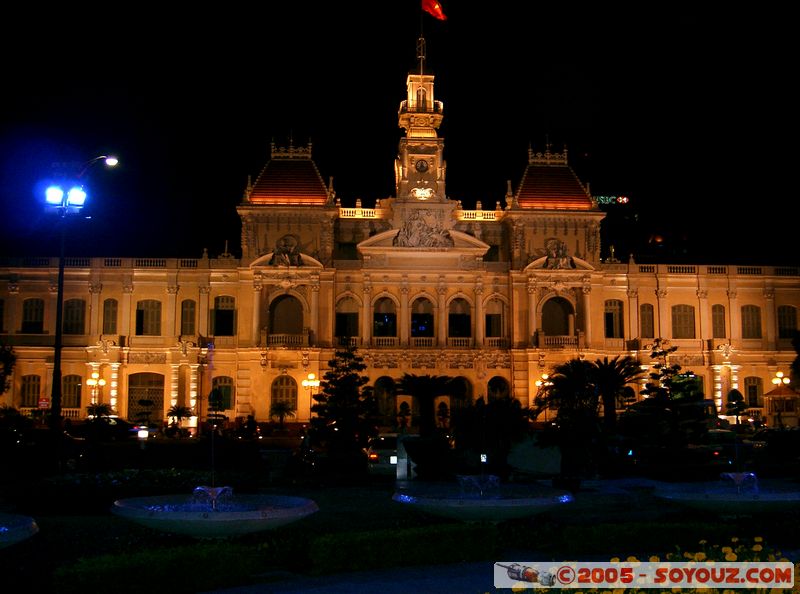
686,113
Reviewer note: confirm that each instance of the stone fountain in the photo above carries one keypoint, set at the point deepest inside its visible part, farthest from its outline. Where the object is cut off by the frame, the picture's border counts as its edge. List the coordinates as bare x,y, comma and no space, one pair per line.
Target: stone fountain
15,528
214,512
482,498
735,494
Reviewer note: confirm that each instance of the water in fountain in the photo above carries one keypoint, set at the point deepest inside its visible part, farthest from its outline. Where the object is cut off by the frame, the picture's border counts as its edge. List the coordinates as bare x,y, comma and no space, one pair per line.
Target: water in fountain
743,481
479,486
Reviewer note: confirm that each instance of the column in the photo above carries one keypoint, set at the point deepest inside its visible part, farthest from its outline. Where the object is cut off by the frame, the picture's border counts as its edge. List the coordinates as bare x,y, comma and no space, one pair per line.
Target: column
113,391
480,323
125,323
255,327
735,317
769,310
174,383
95,311
172,298
532,321
314,322
705,316
442,315
202,311
664,330
633,313
404,319
366,317
586,290
193,375
718,384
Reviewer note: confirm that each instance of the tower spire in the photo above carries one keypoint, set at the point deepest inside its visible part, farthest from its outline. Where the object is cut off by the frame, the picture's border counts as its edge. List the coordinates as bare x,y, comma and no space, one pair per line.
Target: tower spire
421,54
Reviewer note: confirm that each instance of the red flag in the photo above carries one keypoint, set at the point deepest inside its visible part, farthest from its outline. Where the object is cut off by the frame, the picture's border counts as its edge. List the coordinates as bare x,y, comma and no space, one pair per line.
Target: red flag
434,8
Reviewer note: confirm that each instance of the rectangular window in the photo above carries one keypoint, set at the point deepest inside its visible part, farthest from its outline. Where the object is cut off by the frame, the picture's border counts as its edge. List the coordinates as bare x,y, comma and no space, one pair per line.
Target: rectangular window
222,394
683,321
74,316
31,385
494,325
718,321
647,321
110,316
346,325
421,324
188,309
71,391
613,318
459,325
384,324
33,316
751,321
148,318
787,321
223,319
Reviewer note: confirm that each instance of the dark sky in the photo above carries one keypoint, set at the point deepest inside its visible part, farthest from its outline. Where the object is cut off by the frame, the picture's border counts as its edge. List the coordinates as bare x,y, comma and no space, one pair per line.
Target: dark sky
687,113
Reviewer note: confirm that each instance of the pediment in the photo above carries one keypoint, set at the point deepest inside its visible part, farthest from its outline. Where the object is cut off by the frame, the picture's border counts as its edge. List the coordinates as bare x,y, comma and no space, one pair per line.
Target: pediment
564,263
381,250
276,260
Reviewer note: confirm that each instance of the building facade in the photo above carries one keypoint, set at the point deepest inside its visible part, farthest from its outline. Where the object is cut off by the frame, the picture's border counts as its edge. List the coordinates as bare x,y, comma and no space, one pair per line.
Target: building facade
493,296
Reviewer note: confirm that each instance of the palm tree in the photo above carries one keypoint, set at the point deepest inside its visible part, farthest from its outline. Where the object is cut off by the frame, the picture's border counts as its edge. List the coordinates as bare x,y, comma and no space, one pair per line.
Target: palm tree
99,409
425,389
610,379
178,412
281,409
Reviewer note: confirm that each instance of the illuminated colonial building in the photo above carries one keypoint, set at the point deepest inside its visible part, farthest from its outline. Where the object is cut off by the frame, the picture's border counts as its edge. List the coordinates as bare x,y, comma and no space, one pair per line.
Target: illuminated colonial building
494,296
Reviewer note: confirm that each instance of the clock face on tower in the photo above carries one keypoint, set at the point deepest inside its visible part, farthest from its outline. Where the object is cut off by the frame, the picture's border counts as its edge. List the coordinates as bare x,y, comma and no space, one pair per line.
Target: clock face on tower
421,165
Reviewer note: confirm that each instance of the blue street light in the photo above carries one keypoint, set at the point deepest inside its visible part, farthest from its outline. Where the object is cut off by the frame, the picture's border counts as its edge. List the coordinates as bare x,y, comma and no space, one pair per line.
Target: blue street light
68,198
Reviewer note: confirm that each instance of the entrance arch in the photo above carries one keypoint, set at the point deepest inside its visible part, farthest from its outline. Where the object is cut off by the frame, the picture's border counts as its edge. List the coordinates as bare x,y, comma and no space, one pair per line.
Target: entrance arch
558,317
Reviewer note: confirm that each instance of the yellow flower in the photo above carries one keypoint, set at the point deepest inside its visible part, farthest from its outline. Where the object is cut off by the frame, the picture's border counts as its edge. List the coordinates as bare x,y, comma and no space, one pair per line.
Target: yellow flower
654,559
735,539
758,539
770,557
632,559
688,555
701,556
757,547
614,559
730,556
704,541
726,549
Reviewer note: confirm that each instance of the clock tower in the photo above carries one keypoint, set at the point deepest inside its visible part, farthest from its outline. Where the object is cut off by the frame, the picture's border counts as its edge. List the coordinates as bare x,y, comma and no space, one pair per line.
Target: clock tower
419,167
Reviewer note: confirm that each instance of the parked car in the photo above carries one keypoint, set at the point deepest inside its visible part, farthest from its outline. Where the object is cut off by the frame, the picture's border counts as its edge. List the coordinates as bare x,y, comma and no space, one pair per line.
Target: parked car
381,452
104,429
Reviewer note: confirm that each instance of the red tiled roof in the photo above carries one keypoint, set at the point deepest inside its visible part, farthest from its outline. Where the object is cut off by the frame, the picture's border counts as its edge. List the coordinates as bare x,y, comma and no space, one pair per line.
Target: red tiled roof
548,184
289,181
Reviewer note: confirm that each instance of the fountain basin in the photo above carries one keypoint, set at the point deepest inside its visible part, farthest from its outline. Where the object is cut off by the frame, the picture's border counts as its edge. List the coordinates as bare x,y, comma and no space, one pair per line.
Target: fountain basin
733,498
235,516
489,502
15,528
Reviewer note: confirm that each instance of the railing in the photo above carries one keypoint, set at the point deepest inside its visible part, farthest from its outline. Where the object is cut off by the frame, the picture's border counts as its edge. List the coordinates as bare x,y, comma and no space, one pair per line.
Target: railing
425,107
359,213
479,215
423,342
749,270
150,263
558,342
496,342
352,341
289,341
460,342
681,269
717,270
384,341
67,413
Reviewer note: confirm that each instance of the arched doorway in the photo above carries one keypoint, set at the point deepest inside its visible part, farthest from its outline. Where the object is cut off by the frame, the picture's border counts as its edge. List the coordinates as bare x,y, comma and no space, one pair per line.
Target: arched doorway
286,315
497,388
145,396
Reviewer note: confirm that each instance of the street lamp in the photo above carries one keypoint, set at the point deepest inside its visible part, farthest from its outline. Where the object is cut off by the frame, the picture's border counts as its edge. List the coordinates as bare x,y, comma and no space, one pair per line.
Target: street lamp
96,383
311,383
542,384
780,380
65,199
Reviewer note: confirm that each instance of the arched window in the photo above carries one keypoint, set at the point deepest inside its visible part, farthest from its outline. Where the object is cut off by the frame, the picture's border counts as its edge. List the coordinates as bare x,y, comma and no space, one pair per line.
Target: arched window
647,325
422,318
613,318
74,316
71,391
286,315
386,399
31,390
751,321
110,307
718,321
148,318
497,388
494,319
754,391
459,321
347,318
188,317
223,318
223,386
683,321
33,316
556,315
384,318
787,321
284,390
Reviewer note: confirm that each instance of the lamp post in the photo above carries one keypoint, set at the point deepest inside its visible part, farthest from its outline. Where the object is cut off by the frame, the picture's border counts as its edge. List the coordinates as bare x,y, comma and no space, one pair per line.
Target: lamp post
65,198
542,384
96,383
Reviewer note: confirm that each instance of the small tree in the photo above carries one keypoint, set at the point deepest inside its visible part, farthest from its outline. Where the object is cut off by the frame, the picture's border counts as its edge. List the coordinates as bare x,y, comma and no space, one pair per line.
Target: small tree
99,409
7,361
736,404
344,403
425,389
611,378
281,410
178,412
663,374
